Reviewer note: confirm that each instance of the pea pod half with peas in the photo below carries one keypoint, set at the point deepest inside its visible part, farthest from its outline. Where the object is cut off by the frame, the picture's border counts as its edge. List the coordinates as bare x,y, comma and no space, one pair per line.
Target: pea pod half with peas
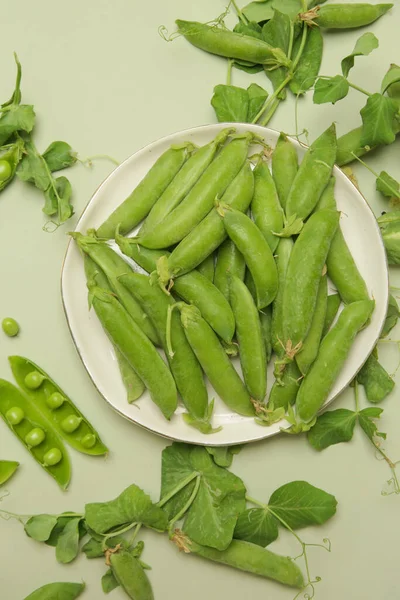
10,156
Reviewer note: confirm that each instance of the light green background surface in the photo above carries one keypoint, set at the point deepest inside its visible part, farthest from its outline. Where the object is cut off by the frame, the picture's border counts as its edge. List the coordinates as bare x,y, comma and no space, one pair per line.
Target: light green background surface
101,78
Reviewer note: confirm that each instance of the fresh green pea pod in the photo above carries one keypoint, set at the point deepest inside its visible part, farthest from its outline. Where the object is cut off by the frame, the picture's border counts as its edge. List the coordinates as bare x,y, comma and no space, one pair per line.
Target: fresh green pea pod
113,266
304,273
183,182
256,252
210,232
252,558
21,368
7,470
10,156
332,354
309,349
21,415
207,267
131,576
133,384
282,260
332,306
348,16
139,203
250,338
285,164
137,349
265,206
266,329
215,362
182,361
376,381
284,393
342,269
229,262
201,197
313,175
309,64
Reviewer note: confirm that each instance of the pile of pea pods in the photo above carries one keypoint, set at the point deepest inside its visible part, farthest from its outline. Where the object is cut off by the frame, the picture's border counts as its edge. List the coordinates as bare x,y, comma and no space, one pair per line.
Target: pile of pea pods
238,257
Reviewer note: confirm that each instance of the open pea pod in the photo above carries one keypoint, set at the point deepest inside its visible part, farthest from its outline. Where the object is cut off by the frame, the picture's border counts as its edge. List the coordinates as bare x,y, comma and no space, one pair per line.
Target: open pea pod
35,433
10,156
56,407
7,470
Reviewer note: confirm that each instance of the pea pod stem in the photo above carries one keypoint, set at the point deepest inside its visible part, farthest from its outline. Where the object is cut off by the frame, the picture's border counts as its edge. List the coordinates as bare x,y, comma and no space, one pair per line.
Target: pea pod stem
239,13
177,489
107,536
186,507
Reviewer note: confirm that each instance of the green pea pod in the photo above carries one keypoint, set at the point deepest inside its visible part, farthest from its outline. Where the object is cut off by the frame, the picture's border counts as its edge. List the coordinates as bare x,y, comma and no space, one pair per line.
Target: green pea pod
376,381
256,252
309,349
7,470
21,415
57,591
285,164
133,384
282,260
139,203
210,232
131,576
284,393
183,182
221,41
21,368
309,64
201,198
250,338
229,262
137,349
304,273
10,157
207,267
342,269
348,16
215,362
332,354
182,361
251,558
313,175
265,206
332,306
113,266
266,329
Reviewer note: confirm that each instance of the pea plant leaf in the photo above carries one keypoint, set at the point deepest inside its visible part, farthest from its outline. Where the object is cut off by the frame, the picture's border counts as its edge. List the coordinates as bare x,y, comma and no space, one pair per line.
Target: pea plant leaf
258,11
58,199
392,316
176,468
18,118
276,32
108,582
332,427
300,504
59,155
57,591
378,117
59,528
331,90
309,64
256,525
257,96
247,67
68,543
288,7
252,29
367,418
387,185
376,380
364,46
391,82
223,455
231,103
39,527
94,548
133,505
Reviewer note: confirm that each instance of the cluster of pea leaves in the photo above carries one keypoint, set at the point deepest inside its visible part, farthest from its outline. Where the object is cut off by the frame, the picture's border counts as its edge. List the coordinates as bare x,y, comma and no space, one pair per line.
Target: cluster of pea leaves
19,156
199,493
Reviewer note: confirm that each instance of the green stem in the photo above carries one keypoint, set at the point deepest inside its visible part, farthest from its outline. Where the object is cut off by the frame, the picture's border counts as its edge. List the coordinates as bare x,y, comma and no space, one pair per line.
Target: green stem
118,532
291,40
239,12
88,161
229,74
188,504
19,517
356,396
395,193
177,489
301,49
270,113
136,531
358,88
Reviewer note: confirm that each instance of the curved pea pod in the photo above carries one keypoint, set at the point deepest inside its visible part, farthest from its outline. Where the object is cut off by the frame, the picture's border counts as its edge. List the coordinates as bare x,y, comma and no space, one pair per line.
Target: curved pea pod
285,164
22,418
342,269
10,156
332,306
310,62
332,354
7,470
210,232
309,349
201,198
59,417
348,16
254,559
284,393
183,182
266,329
313,175
139,203
131,576
229,262
215,362
231,45
137,349
256,252
282,260
304,273
182,361
265,206
207,267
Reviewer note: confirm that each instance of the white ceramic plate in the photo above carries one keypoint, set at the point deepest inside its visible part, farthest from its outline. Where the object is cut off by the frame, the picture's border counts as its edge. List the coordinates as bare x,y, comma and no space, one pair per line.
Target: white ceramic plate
359,228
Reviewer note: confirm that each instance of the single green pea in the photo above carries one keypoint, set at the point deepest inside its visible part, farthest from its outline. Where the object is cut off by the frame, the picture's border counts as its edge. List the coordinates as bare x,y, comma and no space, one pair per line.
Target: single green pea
5,170
88,441
34,380
71,423
52,457
15,415
35,437
9,325
55,400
